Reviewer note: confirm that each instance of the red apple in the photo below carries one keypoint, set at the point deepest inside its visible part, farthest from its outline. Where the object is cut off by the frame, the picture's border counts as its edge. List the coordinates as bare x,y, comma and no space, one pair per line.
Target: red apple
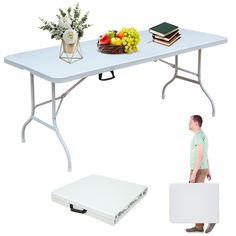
104,39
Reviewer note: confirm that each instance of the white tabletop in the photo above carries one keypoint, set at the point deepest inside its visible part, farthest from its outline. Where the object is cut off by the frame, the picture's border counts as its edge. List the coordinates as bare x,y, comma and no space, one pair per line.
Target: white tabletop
46,64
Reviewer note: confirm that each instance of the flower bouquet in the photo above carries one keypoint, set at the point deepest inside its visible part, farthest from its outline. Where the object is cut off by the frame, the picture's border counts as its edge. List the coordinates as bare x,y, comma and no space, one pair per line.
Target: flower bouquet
69,29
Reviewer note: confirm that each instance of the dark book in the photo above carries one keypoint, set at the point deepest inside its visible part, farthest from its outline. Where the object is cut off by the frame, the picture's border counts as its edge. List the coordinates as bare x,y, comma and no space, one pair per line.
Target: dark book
167,38
166,43
163,29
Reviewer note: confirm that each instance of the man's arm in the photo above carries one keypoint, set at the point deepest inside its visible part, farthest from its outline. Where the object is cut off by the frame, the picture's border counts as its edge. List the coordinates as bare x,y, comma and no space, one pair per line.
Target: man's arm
197,163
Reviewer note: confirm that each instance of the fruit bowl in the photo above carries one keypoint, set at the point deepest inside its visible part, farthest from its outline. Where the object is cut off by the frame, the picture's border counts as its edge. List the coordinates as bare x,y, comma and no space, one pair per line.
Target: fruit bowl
118,42
110,49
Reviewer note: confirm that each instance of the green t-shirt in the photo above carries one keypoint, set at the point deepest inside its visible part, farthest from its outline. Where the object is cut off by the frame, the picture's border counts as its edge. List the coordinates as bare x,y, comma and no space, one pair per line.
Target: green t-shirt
199,138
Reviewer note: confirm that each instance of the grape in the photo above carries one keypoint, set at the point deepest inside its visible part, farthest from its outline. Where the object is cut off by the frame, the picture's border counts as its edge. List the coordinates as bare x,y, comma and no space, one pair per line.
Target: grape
130,40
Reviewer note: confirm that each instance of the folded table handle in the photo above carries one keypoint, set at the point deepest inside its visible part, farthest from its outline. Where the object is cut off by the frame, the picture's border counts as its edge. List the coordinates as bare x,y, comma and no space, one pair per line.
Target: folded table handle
112,77
76,210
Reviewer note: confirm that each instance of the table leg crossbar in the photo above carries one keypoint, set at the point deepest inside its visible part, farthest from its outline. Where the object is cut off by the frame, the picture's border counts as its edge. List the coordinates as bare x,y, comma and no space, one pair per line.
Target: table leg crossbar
55,111
198,75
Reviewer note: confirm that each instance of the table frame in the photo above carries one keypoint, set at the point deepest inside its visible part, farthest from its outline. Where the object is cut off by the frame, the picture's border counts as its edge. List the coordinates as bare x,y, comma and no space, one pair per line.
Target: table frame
198,74
55,108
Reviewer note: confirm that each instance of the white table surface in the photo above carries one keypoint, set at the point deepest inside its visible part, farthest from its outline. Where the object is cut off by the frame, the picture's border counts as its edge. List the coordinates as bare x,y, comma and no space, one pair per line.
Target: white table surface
46,64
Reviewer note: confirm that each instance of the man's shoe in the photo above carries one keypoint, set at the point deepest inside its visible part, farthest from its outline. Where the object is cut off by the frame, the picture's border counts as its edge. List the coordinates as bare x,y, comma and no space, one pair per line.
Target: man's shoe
194,229
210,228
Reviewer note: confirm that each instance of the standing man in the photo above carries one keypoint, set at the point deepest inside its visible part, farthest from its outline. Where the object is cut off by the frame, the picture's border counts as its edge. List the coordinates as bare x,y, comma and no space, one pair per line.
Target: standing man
199,165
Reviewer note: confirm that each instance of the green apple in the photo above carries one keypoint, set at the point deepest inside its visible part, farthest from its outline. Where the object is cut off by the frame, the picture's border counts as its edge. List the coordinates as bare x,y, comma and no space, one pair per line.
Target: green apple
111,33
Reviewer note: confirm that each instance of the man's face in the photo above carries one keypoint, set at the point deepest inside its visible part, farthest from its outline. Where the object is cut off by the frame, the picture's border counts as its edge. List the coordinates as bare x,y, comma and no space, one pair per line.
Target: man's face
191,124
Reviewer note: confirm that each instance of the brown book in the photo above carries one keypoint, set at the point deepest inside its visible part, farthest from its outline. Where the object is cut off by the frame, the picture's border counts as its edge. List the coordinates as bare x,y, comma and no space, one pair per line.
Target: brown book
165,42
167,38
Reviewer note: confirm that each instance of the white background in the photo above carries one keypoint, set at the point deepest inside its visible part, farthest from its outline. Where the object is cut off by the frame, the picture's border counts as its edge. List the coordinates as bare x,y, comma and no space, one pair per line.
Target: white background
121,128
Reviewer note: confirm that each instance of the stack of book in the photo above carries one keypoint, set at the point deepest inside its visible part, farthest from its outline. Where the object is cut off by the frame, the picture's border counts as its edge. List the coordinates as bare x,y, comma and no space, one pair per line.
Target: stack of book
165,33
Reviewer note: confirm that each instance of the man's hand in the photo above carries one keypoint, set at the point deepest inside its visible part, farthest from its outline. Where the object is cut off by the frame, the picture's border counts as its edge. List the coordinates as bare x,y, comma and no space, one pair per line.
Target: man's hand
209,175
192,177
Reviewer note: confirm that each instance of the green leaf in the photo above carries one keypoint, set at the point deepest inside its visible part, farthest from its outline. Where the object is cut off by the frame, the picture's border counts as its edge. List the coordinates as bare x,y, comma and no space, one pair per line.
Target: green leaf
63,14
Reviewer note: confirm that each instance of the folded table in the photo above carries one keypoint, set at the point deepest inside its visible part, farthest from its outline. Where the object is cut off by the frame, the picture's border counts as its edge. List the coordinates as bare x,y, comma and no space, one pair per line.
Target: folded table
46,64
101,197
195,202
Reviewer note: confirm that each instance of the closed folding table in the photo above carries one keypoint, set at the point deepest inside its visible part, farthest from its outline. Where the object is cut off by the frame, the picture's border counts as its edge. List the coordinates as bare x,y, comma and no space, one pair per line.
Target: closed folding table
101,197
194,202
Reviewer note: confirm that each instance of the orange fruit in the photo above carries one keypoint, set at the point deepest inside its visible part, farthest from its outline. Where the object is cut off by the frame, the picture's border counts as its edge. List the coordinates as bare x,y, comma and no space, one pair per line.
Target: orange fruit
119,35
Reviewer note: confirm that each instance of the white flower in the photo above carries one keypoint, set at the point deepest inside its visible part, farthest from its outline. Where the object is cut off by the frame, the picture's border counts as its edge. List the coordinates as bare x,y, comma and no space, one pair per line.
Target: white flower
70,36
65,22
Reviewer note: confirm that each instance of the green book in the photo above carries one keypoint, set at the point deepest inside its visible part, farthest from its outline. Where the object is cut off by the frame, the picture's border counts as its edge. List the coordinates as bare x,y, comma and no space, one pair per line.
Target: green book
163,29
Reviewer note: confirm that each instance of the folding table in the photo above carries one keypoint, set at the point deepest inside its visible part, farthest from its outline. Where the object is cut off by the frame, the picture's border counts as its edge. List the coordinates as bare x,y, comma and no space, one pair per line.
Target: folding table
101,197
191,203
46,64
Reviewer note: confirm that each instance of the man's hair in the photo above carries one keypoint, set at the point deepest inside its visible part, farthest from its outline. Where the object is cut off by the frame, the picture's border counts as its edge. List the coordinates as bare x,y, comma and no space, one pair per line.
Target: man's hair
197,119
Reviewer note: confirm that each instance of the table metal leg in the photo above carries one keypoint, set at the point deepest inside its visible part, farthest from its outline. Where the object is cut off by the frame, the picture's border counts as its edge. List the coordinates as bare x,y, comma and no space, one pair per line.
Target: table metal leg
198,75
174,77
200,82
55,110
32,107
55,128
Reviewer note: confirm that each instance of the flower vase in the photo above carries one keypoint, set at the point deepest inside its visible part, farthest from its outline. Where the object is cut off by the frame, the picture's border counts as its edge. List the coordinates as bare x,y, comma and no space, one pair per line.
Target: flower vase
70,52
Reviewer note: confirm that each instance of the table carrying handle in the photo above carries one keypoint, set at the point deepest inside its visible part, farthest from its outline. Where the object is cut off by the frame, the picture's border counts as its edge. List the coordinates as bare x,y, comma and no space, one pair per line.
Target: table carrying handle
76,210
112,77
